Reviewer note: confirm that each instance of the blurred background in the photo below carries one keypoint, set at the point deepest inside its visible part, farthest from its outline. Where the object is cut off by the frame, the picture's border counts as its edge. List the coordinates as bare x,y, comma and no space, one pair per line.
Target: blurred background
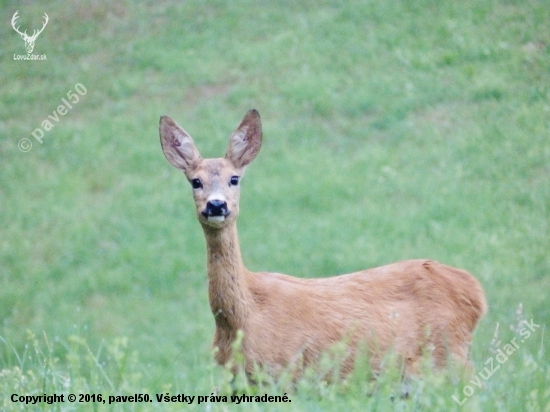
392,130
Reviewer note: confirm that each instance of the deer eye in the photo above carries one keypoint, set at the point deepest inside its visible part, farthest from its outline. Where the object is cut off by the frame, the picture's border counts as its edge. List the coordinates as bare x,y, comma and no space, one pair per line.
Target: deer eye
234,180
196,183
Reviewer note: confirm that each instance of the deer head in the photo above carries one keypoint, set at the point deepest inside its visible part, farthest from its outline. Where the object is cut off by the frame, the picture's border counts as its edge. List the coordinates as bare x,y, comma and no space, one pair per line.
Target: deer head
216,181
29,40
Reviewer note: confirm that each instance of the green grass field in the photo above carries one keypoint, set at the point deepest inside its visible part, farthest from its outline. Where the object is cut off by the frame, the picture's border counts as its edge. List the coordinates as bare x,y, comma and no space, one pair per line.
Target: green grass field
392,130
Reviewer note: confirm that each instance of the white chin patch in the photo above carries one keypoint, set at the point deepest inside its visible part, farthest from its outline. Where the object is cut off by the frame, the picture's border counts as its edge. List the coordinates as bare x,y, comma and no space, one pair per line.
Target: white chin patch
216,218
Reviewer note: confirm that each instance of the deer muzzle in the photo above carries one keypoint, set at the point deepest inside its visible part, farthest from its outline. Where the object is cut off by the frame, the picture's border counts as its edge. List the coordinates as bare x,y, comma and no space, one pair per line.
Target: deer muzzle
216,210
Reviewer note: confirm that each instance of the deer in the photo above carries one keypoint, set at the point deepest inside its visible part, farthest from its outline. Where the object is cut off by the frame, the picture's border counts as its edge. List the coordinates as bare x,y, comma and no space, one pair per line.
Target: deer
29,40
411,307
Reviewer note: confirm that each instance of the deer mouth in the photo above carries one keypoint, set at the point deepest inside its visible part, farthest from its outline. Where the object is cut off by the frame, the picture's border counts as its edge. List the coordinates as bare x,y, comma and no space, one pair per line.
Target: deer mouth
216,219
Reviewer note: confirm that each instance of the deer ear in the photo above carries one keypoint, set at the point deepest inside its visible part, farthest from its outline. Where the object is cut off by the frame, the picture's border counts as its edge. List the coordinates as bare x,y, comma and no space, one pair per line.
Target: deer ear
246,140
177,145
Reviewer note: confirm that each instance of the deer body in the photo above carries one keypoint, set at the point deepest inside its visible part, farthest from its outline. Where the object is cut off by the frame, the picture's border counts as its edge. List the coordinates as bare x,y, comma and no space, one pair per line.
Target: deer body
406,306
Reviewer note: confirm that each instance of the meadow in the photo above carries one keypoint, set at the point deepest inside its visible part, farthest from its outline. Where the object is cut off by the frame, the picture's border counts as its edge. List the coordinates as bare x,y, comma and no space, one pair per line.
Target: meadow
392,130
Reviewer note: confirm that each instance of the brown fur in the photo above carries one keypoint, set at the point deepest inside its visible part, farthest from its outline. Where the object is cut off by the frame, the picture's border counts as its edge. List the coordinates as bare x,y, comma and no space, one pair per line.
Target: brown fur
407,307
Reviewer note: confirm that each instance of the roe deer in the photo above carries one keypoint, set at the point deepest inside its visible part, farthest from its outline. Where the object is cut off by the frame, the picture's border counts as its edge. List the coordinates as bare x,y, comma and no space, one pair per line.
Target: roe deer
405,307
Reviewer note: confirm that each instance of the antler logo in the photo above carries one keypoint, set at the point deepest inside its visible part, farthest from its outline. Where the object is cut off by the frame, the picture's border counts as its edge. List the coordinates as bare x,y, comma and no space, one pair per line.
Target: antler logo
29,40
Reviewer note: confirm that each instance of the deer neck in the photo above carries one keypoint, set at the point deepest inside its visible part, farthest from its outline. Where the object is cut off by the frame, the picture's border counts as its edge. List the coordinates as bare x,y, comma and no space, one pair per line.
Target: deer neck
227,277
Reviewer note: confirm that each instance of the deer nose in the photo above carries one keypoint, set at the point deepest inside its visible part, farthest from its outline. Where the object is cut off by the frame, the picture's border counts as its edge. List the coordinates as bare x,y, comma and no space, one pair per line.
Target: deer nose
216,208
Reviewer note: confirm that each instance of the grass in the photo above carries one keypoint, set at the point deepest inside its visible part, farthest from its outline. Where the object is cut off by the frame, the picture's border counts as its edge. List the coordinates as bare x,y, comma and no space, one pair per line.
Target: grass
392,130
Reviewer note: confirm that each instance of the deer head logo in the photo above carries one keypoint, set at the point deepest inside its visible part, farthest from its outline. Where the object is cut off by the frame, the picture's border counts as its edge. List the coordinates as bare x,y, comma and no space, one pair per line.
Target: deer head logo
29,40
